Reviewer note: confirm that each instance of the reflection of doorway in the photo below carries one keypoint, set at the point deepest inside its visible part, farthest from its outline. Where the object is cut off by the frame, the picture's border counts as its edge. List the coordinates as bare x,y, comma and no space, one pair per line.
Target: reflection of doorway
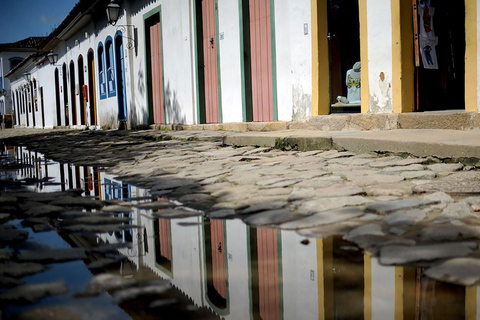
265,273
344,48
91,88
120,69
65,93
81,82
216,264
208,61
163,244
442,88
73,98
153,42
57,98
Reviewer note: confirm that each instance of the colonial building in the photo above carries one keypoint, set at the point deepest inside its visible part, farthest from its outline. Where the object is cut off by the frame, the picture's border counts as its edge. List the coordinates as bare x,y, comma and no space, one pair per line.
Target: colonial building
219,61
11,54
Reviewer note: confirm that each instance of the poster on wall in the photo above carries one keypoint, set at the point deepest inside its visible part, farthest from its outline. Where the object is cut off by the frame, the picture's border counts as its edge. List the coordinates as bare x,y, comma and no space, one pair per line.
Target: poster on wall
428,53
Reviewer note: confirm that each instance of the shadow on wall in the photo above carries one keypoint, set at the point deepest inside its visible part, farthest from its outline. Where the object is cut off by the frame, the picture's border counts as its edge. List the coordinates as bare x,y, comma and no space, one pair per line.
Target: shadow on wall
139,114
172,107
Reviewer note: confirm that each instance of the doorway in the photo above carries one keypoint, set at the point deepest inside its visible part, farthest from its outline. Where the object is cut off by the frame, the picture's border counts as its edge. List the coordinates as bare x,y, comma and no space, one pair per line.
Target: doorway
65,94
120,70
440,55
73,98
208,61
81,95
91,88
344,52
153,41
57,98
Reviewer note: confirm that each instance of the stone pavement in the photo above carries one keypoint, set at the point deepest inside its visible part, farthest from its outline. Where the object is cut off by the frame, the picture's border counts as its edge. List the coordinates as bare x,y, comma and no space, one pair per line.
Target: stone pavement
402,208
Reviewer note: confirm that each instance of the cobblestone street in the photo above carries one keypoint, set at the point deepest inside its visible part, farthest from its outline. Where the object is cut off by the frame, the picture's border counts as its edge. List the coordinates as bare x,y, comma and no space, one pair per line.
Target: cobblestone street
395,207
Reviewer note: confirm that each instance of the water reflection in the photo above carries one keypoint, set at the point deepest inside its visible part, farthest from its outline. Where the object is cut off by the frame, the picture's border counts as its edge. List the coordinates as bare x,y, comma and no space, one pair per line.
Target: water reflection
240,272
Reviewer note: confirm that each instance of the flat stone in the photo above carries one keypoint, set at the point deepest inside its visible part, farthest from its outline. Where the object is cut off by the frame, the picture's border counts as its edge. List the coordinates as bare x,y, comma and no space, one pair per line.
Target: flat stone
53,255
7,200
324,204
375,179
86,203
5,217
176,214
399,255
397,162
409,175
133,293
323,218
33,293
267,182
333,154
94,220
337,190
450,187
13,235
265,206
397,231
449,233
391,206
271,217
37,209
412,167
321,182
396,189
445,167
89,228
365,230
442,197
223,214
474,202
116,209
173,183
5,255
48,313
405,218
462,271
155,205
461,176
196,197
8,282
458,211
104,282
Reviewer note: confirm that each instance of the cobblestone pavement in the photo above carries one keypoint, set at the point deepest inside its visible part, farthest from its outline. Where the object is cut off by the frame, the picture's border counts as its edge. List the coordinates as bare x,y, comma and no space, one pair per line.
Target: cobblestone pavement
405,210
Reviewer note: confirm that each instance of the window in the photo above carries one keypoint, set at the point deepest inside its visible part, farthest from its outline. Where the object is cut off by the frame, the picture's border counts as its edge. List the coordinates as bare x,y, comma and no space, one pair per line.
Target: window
14,62
102,81
109,65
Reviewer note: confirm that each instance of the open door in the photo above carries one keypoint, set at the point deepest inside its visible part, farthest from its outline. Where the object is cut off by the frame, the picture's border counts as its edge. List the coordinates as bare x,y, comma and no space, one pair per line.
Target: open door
91,89
440,55
65,94
344,52
81,82
73,97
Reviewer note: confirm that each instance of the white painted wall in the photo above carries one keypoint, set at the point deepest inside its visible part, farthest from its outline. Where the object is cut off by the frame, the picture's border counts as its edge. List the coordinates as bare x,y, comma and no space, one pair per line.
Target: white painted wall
294,59
383,291
478,56
379,26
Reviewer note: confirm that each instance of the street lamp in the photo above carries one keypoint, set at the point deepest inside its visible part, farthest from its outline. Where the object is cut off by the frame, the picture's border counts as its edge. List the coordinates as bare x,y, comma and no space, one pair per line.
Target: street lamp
27,77
52,57
113,10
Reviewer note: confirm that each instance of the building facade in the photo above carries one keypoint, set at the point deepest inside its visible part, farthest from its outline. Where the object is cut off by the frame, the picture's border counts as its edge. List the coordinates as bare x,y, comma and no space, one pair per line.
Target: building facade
219,61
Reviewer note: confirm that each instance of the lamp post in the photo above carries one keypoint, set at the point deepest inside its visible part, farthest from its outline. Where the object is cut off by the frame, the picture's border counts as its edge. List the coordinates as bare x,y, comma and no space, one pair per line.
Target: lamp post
113,9
52,57
27,77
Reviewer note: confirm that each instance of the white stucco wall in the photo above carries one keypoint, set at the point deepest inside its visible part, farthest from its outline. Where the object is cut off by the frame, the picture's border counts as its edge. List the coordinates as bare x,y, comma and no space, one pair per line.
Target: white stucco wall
294,62
383,291
379,26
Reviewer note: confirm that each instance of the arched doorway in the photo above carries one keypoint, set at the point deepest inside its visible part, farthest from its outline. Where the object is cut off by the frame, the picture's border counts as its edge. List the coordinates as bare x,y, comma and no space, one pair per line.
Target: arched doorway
81,96
91,88
33,100
57,98
73,99
120,71
65,94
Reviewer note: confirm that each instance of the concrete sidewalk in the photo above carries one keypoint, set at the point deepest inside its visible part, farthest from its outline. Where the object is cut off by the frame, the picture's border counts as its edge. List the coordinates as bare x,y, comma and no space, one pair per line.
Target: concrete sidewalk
421,142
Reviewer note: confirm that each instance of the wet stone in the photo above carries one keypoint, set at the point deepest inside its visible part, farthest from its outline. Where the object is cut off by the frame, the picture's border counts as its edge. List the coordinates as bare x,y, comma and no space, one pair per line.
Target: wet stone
449,233
53,255
12,235
44,227
5,217
391,206
173,183
445,167
87,228
462,271
195,198
68,201
8,282
5,255
223,214
104,282
442,197
94,220
271,217
48,313
405,218
157,288
176,214
396,255
474,202
458,211
365,230
324,204
265,206
103,263
397,231
33,293
155,205
323,218
116,209
7,200
162,303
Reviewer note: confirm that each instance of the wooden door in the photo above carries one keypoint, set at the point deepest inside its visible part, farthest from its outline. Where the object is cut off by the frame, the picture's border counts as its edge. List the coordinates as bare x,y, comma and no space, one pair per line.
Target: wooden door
164,238
268,274
91,89
209,9
156,71
261,60
218,257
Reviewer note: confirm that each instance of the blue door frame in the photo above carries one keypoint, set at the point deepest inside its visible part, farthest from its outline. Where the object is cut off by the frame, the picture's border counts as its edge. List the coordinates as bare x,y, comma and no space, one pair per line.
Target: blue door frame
120,69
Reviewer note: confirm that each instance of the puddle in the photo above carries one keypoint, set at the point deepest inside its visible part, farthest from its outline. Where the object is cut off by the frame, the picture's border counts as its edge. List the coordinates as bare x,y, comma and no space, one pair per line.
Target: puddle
196,268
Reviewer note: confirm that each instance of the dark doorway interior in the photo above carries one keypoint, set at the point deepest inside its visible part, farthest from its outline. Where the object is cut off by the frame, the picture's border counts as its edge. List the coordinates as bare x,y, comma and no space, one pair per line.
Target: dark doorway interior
444,88
81,82
65,94
57,98
344,47
73,98
91,89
